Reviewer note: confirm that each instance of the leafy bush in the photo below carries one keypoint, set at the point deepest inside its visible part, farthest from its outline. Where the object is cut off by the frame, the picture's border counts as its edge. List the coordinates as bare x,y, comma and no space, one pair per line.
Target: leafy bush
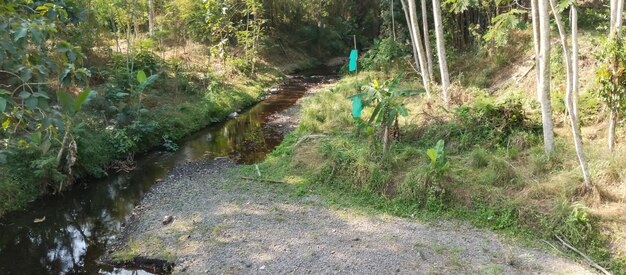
383,54
484,123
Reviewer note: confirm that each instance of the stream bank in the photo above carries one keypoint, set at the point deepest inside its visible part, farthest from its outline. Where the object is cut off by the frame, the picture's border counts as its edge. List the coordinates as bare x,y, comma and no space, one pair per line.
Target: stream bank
77,227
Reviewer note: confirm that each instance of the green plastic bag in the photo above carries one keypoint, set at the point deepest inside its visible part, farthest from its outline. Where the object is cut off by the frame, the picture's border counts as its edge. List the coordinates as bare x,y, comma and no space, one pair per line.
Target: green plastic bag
357,106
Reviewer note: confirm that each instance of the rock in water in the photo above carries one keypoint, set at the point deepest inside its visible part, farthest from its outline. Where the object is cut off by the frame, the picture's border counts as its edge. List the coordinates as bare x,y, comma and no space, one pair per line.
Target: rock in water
167,220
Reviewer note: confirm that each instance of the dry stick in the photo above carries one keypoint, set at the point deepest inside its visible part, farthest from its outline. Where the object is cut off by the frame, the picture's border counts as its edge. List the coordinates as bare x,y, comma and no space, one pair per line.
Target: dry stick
262,180
305,138
591,262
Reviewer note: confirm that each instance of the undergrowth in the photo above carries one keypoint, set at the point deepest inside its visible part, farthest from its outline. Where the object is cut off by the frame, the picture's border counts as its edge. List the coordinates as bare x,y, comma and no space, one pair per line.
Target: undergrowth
498,175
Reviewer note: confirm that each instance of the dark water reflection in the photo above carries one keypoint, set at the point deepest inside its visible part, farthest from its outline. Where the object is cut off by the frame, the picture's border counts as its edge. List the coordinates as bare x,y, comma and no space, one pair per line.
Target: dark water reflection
79,224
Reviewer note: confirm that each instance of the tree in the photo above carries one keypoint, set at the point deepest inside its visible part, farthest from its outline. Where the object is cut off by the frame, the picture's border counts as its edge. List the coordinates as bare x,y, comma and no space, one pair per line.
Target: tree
417,42
535,22
429,52
543,87
617,9
441,52
569,88
150,18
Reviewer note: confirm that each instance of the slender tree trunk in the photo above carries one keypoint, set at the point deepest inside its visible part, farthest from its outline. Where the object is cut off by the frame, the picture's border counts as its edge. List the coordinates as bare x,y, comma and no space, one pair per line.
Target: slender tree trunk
135,23
535,21
618,15
150,18
575,76
567,58
411,33
441,52
115,34
421,54
612,18
393,21
617,10
544,69
429,52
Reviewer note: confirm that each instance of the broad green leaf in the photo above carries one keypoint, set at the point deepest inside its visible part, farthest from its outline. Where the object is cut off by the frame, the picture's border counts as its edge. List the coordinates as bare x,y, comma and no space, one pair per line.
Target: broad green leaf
402,110
3,105
375,113
24,95
83,98
396,81
31,103
67,102
20,33
141,77
45,146
432,154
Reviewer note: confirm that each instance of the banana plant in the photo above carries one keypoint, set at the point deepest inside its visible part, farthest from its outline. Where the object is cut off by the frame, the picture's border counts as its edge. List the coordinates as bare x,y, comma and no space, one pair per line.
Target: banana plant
71,107
389,105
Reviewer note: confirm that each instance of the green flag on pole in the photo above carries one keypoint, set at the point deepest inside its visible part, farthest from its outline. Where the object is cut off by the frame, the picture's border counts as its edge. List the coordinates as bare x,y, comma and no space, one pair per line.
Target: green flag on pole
353,57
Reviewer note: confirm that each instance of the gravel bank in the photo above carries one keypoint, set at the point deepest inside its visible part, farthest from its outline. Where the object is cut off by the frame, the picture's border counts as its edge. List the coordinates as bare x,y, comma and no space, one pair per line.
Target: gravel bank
224,225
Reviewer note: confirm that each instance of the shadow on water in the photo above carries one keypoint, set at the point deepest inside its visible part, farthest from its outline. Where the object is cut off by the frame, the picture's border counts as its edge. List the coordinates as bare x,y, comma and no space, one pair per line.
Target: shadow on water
79,223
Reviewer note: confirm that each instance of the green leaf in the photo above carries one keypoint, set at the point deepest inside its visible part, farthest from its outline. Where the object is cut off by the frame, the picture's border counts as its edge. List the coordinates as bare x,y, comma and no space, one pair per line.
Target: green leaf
375,113
432,154
141,76
31,103
67,102
395,82
3,105
83,98
24,95
20,33
402,110
5,124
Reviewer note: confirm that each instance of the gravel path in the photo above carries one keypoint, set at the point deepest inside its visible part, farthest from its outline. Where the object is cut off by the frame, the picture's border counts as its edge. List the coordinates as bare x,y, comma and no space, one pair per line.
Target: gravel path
224,225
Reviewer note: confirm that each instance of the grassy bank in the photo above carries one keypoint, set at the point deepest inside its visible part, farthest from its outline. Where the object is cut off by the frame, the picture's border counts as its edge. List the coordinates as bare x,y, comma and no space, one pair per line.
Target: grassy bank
498,176
191,92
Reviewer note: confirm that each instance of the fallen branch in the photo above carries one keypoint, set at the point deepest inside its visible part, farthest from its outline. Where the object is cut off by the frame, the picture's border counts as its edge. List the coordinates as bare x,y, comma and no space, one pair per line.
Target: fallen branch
263,180
526,73
309,137
591,262
553,247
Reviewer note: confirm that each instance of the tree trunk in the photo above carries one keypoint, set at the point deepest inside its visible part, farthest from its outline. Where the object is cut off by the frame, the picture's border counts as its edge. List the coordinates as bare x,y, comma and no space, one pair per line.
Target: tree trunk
150,18
575,75
115,34
393,21
410,27
135,23
618,15
421,54
612,122
429,52
535,21
544,69
441,52
569,75
617,9
612,18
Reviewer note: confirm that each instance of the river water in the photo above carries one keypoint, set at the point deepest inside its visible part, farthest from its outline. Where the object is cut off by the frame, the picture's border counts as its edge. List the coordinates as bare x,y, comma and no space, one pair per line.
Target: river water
80,222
